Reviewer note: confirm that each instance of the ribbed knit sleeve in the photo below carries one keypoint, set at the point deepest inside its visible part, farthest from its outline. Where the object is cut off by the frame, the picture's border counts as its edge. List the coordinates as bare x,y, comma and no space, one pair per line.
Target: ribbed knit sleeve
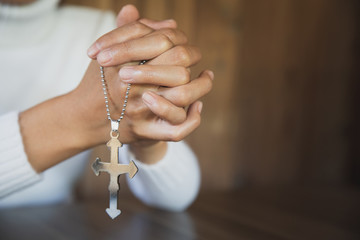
172,183
15,170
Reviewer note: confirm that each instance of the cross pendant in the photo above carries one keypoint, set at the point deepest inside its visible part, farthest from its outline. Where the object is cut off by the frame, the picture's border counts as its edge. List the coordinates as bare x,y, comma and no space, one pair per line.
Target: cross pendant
115,170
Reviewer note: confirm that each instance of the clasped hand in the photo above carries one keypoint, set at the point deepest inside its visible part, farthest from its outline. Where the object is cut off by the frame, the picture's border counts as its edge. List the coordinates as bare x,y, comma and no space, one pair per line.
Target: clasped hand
163,103
161,89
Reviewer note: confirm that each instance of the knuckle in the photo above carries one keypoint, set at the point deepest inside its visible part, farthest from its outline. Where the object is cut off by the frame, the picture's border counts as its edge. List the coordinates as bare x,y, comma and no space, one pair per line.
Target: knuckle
184,74
164,111
182,97
137,27
183,55
175,135
175,35
164,42
126,48
169,33
178,134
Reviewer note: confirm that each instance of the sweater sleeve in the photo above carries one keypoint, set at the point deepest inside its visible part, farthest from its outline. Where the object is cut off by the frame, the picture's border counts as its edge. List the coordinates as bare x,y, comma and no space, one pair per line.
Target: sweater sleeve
15,170
172,183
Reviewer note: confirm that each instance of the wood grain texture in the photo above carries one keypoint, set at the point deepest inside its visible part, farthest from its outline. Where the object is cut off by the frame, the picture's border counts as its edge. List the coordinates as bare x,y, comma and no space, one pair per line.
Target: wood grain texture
295,88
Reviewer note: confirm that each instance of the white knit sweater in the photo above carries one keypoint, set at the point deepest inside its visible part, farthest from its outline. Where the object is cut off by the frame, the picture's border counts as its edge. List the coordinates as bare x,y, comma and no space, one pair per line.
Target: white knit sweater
42,55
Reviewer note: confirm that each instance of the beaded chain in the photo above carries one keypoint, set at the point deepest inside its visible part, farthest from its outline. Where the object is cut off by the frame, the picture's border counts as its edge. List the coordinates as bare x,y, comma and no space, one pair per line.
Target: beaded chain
104,86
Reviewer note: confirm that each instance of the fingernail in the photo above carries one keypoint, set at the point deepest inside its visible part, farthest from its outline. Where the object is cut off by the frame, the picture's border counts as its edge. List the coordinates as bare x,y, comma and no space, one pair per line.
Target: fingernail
148,98
200,107
211,73
105,56
171,21
127,73
122,9
93,50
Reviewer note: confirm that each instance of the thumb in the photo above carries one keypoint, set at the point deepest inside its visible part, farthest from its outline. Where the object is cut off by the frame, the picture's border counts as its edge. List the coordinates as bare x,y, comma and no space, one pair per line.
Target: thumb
127,14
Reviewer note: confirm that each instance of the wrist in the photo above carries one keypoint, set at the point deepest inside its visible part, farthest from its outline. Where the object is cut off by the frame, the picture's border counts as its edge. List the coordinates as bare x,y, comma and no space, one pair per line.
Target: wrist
149,152
90,114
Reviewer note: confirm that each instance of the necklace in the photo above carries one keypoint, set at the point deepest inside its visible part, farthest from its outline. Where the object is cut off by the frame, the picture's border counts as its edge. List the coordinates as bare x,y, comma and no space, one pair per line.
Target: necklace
113,168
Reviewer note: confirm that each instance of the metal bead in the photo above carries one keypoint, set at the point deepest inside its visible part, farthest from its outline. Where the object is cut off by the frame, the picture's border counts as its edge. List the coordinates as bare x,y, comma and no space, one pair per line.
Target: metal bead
104,87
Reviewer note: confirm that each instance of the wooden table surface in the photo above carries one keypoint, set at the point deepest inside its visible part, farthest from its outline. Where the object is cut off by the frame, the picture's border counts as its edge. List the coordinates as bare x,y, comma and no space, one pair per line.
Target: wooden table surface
246,214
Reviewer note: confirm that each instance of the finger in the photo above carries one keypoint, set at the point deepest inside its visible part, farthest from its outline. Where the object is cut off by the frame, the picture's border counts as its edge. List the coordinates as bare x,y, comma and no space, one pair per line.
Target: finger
125,33
127,14
169,76
164,131
171,33
185,95
169,23
147,47
182,55
163,108
132,30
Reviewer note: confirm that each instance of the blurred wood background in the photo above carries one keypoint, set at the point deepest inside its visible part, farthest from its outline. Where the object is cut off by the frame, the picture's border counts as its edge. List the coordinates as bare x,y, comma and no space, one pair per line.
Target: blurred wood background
284,109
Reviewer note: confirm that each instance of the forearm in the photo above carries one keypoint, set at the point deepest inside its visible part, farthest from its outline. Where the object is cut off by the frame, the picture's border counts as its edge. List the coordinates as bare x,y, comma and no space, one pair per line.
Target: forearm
63,126
54,131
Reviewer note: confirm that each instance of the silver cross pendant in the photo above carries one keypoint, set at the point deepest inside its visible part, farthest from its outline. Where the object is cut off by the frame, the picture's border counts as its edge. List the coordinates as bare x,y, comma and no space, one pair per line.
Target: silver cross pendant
115,170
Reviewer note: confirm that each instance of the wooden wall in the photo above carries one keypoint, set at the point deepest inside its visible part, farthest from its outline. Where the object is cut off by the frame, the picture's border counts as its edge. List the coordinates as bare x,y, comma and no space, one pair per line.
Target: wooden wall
284,109
295,83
